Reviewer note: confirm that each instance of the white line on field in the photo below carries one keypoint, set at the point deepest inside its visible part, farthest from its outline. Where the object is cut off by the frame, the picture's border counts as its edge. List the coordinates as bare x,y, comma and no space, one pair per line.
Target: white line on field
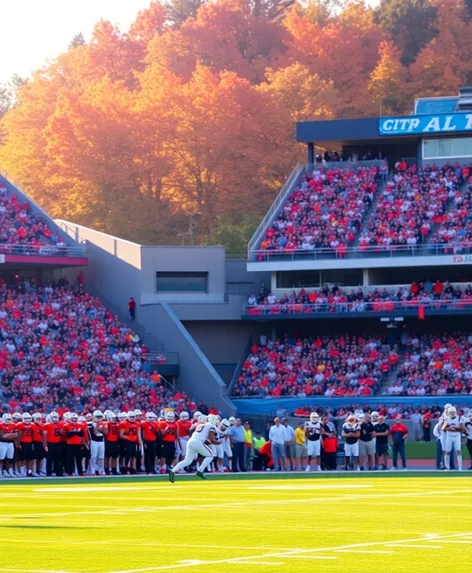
373,551
414,546
258,562
10,570
288,553
466,542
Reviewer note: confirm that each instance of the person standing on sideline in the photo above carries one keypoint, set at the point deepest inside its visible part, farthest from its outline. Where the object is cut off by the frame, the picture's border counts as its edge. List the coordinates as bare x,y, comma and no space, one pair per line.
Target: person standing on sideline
236,435
399,434
329,445
351,433
468,430
417,421
132,308
366,443
289,445
300,447
258,441
248,437
426,427
277,439
382,430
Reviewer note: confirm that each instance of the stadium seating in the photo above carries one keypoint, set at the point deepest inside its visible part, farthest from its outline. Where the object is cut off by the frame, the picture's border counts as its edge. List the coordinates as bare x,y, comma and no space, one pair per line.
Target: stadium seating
22,232
325,211
455,230
334,299
60,349
435,365
414,199
338,366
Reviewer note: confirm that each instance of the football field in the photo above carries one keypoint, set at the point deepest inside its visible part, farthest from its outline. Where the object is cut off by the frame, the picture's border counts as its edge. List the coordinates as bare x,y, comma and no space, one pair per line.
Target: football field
385,524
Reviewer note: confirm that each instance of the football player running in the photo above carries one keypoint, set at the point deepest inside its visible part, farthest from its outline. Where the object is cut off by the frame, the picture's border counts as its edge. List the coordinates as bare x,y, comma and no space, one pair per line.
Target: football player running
199,444
454,427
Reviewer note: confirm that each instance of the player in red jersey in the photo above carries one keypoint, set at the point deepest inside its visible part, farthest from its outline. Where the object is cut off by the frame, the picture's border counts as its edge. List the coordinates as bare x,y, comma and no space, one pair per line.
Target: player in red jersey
130,432
52,443
25,437
170,439
184,424
149,431
76,440
111,431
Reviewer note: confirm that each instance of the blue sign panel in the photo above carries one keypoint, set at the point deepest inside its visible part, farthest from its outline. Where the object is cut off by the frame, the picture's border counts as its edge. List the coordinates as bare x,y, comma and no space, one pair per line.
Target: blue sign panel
426,124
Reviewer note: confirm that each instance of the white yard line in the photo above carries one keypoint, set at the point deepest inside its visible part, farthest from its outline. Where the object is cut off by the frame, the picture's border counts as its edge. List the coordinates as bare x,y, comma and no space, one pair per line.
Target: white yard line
373,551
413,546
289,553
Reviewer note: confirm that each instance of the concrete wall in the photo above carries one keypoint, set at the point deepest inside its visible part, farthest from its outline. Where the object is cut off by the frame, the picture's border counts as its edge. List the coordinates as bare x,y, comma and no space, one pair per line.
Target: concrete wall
189,259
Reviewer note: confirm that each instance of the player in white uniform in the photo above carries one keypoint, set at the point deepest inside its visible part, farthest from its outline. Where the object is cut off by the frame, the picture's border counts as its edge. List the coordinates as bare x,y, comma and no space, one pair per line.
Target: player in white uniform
453,427
222,437
199,444
468,431
313,431
97,444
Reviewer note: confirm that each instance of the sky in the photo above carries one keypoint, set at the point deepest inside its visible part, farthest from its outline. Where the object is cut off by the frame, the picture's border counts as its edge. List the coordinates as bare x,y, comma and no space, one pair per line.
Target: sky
34,31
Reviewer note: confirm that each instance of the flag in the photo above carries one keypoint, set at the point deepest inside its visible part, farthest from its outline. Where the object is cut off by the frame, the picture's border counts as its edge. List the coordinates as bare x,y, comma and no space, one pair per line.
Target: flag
421,312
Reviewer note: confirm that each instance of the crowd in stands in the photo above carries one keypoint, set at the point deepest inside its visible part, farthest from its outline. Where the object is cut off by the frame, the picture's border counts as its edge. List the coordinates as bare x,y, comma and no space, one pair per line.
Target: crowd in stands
455,228
325,210
436,365
341,365
413,201
335,299
19,227
60,348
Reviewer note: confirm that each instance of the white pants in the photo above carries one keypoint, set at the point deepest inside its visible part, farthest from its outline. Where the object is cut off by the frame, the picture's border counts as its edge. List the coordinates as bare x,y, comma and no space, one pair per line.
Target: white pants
97,450
7,450
183,443
194,448
453,442
219,451
314,448
351,450
227,448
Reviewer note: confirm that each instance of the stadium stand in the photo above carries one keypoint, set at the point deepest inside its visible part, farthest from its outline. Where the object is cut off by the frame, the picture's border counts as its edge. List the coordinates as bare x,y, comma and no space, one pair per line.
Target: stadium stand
341,365
60,349
325,210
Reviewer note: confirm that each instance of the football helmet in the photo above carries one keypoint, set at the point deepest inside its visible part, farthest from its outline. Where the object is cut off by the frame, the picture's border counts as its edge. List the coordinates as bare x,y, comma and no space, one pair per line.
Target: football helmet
184,416
111,416
26,418
202,419
170,416
54,417
17,417
224,423
138,413
452,412
197,415
131,416
37,417
232,420
97,416
447,406
314,417
122,417
7,418
374,414
73,417
82,419
149,416
87,418
212,419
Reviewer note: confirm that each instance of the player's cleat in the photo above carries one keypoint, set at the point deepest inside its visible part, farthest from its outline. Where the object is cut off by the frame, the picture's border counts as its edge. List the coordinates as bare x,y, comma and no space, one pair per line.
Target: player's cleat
171,476
201,475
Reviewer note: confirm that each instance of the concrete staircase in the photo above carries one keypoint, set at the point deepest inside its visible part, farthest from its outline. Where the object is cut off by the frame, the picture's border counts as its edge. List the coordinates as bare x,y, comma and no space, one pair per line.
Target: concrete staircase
392,375
369,211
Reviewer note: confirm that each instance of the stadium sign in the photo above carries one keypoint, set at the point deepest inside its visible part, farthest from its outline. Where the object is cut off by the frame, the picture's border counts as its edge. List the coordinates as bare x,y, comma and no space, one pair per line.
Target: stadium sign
462,259
425,124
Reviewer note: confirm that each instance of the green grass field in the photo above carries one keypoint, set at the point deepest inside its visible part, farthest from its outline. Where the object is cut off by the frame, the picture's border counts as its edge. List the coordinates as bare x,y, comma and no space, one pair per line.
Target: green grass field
387,524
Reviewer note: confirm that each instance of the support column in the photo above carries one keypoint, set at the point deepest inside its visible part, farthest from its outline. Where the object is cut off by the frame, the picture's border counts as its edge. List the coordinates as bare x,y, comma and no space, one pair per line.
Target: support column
365,277
311,156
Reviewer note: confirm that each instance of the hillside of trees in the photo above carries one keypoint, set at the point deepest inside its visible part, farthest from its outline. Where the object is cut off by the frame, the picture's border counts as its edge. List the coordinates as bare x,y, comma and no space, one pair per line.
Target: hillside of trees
190,114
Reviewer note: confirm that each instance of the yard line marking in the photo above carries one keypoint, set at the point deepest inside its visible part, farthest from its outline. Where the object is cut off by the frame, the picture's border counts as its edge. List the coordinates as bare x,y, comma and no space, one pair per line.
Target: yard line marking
324,487
327,557
414,546
10,570
258,562
466,542
285,554
380,552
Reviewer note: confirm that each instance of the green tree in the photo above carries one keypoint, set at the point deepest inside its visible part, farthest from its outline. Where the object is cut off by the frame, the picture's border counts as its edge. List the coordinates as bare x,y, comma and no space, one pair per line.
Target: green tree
410,23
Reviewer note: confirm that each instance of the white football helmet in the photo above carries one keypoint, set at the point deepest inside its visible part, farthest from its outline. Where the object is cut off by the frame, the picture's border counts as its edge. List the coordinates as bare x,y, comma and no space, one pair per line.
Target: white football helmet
314,417
26,418
97,416
184,416
82,419
452,412
197,415
122,417
73,417
87,418
149,416
232,420
212,419
170,416
131,416
447,406
7,419
54,417
37,417
111,416
374,415
138,413
202,419
17,417
224,423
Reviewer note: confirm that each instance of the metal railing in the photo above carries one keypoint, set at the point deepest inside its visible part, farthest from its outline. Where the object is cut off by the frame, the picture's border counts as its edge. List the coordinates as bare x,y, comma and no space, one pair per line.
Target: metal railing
278,201
42,250
169,358
360,252
387,306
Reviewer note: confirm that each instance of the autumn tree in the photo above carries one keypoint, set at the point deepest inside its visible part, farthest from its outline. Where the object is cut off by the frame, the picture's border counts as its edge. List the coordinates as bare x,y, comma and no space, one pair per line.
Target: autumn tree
388,82
410,24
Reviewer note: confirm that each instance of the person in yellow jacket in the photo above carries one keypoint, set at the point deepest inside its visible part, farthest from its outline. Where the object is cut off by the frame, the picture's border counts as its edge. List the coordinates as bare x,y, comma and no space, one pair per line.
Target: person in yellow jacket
300,446
247,445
